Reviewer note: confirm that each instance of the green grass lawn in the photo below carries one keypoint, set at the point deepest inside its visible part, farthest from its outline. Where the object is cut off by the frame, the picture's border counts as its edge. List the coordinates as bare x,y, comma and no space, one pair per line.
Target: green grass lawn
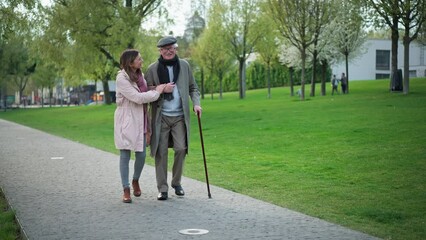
358,160
9,229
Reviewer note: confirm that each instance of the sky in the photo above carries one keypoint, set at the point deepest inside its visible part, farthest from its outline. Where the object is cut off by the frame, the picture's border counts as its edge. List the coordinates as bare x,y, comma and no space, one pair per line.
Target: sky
180,11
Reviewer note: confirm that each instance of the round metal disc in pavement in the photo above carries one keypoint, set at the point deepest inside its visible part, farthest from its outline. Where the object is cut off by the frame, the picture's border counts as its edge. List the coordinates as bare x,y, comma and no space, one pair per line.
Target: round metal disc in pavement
193,231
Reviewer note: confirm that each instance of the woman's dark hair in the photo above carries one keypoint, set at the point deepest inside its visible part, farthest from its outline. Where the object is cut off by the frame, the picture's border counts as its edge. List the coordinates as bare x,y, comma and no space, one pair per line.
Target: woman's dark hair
126,59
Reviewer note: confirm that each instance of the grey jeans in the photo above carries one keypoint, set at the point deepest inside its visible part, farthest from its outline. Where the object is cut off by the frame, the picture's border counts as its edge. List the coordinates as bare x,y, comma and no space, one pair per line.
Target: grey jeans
124,165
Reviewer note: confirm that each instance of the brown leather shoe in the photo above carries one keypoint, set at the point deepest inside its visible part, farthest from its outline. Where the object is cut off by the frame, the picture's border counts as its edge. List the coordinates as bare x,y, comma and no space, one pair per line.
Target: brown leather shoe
126,195
136,189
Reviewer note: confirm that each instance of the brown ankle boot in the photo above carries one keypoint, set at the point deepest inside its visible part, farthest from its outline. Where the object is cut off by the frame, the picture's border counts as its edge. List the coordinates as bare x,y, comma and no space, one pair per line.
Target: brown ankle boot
126,195
136,189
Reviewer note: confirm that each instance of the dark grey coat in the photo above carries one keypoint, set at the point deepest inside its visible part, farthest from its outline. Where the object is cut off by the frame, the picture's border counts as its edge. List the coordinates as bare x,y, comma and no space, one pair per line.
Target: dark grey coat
187,88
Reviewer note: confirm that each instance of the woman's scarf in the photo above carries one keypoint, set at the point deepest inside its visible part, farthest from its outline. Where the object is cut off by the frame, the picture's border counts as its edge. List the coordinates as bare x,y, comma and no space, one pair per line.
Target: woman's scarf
143,87
163,72
142,84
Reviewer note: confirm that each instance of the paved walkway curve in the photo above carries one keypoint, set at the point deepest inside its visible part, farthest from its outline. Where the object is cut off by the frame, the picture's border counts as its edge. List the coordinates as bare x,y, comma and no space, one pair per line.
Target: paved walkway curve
65,190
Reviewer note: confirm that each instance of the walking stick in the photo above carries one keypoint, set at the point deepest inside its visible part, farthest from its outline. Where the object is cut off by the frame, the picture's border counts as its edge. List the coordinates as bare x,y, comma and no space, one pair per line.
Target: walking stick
204,155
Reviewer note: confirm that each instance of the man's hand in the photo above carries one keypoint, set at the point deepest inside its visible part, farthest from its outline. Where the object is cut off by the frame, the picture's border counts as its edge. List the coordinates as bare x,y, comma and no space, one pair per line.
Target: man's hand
198,110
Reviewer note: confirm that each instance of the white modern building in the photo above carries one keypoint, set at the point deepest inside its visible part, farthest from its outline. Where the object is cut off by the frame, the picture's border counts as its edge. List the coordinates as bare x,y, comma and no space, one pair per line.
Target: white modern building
375,63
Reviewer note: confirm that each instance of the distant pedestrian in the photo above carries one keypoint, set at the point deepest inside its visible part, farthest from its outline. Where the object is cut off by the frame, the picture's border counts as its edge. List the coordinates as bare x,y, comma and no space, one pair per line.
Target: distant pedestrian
130,117
344,83
334,84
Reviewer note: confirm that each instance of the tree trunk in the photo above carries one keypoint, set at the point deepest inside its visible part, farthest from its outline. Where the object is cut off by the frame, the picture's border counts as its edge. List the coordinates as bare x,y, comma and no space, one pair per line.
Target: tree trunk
4,96
20,96
42,96
269,80
211,84
314,73
324,77
107,96
220,85
406,85
242,78
347,72
50,96
291,71
302,82
202,83
96,91
394,59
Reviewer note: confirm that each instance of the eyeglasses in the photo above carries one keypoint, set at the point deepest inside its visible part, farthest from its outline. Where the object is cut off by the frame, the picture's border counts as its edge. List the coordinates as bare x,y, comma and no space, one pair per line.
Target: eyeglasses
169,49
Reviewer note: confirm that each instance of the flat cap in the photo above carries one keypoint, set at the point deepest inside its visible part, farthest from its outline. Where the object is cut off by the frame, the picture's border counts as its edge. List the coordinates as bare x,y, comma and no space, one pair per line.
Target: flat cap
165,41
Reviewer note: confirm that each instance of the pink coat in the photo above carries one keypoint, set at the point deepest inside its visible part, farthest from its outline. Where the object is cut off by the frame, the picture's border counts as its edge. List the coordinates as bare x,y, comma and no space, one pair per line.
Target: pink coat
129,114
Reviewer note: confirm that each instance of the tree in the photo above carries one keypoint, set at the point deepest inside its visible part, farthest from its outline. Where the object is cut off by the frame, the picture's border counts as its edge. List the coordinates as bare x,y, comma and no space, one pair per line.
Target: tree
15,16
422,34
266,47
327,55
44,78
323,16
295,21
289,55
387,13
102,28
18,64
349,34
238,17
194,28
209,51
413,16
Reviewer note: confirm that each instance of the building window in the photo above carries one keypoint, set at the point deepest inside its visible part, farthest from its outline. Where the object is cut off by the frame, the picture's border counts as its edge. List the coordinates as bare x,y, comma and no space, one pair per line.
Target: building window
412,73
382,59
382,76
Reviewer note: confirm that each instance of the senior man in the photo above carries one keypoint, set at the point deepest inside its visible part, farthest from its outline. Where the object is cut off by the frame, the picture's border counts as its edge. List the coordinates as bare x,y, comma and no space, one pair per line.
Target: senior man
170,114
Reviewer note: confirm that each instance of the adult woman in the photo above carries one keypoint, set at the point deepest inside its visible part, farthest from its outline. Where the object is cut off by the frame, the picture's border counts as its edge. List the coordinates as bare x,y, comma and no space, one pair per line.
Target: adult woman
130,118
